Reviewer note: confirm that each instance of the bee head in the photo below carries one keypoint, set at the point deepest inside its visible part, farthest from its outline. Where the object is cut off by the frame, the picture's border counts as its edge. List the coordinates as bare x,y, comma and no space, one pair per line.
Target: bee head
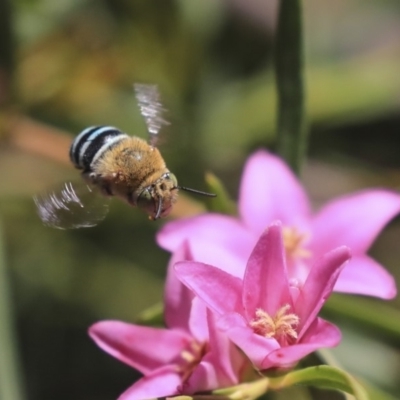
158,198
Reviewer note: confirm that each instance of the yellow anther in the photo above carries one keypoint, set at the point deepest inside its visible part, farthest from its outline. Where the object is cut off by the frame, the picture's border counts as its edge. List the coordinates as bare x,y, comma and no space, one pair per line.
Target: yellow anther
282,326
293,240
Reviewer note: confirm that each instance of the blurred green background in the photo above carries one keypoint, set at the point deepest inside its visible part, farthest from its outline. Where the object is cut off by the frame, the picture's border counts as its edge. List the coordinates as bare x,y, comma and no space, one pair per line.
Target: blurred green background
66,65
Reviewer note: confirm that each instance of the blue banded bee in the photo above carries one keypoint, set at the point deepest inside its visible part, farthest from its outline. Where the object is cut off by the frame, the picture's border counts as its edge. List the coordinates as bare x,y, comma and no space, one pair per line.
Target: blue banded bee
118,165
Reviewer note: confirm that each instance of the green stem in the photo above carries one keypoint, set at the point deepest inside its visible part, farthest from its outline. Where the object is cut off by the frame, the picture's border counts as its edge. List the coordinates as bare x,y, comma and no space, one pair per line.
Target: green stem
7,45
291,124
10,382
248,391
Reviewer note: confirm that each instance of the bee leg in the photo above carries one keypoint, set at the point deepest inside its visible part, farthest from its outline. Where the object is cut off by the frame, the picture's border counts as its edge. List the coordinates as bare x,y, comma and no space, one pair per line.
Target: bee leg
104,186
105,190
90,177
96,180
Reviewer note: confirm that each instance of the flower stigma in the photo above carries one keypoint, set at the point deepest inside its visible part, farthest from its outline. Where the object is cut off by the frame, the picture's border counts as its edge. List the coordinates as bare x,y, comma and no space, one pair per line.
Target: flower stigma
294,242
282,326
190,358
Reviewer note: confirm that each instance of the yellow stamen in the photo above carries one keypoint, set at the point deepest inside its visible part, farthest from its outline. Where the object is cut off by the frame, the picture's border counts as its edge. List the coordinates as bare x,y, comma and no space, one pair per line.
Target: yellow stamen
190,358
282,326
293,240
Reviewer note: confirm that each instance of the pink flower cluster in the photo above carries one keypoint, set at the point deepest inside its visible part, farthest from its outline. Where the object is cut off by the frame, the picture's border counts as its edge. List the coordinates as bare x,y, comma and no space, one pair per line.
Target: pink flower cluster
245,293
189,356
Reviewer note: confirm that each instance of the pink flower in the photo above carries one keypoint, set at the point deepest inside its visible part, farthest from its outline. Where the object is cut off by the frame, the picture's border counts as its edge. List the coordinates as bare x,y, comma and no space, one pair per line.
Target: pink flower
274,321
190,356
269,191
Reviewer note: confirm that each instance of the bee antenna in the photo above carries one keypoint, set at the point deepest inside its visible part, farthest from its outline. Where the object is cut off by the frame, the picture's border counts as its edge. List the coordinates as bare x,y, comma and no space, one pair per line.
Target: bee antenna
159,208
200,192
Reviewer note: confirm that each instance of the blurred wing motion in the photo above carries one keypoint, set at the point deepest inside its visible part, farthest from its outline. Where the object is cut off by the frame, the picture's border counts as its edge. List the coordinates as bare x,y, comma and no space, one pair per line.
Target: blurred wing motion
72,207
148,98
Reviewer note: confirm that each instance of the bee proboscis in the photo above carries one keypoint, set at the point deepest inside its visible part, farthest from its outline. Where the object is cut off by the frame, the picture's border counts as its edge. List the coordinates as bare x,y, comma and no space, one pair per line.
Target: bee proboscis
118,165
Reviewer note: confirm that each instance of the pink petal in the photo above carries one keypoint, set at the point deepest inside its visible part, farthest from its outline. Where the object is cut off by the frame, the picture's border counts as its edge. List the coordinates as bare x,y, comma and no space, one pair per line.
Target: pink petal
213,227
269,191
319,285
320,334
177,297
143,348
354,221
265,283
218,289
363,275
223,353
163,382
204,377
254,346
198,326
220,366
213,239
222,258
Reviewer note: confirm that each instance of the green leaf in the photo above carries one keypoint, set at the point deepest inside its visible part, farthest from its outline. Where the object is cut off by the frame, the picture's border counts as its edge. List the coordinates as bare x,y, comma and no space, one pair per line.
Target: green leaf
244,391
289,69
222,203
11,383
153,316
377,317
322,376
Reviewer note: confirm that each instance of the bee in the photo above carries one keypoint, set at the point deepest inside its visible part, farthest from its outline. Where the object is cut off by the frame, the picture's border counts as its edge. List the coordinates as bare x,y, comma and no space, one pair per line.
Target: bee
116,164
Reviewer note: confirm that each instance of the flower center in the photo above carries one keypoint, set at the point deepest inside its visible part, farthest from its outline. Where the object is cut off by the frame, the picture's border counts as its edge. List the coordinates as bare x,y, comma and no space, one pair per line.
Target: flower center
294,241
190,358
282,326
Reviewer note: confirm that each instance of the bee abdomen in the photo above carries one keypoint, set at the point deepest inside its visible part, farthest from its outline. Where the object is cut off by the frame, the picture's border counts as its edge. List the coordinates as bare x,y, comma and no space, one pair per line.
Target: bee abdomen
92,143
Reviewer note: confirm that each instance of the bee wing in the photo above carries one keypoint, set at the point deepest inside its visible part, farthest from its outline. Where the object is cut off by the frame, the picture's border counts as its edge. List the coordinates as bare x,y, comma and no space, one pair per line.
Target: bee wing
151,108
71,207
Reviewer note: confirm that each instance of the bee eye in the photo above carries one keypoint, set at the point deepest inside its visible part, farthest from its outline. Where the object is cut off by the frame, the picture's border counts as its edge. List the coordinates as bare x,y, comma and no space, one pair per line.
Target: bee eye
144,198
173,179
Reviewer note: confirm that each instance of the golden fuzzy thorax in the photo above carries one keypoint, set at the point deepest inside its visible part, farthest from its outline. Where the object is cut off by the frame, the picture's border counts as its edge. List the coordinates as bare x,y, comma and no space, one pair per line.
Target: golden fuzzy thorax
134,161
132,166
